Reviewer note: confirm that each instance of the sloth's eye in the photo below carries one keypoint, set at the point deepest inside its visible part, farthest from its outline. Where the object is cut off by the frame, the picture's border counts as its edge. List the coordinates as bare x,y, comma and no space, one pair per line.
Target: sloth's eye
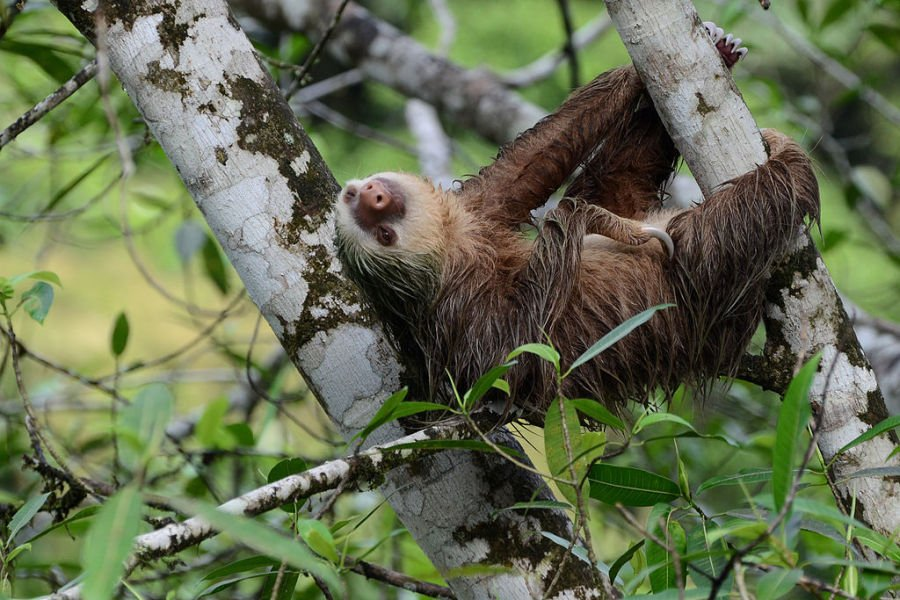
385,235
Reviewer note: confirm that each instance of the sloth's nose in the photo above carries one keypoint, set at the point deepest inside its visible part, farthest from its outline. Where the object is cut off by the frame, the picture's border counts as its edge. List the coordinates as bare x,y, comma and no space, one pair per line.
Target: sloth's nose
375,196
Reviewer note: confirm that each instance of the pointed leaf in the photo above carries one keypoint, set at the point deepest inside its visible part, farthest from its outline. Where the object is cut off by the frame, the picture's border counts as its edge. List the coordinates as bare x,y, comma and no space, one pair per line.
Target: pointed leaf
558,460
119,339
650,419
484,384
209,426
663,527
318,537
383,414
145,422
883,426
544,351
743,477
24,515
623,560
793,416
597,412
38,300
630,486
617,334
240,566
215,266
109,542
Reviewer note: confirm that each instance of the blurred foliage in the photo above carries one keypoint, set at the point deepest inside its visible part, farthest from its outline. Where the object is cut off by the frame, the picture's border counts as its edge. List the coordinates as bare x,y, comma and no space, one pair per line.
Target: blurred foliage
138,247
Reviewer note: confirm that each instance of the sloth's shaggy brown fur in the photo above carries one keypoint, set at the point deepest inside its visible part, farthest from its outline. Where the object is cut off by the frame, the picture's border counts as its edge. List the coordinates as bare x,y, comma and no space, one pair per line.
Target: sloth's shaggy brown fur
459,286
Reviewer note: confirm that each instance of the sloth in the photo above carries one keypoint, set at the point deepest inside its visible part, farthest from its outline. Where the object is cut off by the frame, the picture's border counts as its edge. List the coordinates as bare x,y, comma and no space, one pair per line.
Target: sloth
458,285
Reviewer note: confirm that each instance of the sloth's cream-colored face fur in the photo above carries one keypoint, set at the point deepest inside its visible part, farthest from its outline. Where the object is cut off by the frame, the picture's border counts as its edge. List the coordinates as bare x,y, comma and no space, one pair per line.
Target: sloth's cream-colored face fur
393,213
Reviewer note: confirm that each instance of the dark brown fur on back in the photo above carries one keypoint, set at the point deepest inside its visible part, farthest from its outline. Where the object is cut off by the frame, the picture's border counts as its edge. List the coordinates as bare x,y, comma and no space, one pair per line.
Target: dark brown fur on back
497,291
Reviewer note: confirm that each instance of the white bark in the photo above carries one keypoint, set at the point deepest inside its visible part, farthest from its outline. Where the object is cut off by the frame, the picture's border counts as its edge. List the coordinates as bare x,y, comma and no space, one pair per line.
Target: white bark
715,132
267,195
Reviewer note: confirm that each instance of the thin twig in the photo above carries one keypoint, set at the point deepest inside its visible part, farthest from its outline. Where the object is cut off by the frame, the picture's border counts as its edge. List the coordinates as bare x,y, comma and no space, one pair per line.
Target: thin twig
569,47
316,51
400,580
43,107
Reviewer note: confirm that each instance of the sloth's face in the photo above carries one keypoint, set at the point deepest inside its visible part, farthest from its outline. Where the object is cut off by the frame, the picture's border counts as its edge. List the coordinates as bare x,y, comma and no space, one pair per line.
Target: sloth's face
392,213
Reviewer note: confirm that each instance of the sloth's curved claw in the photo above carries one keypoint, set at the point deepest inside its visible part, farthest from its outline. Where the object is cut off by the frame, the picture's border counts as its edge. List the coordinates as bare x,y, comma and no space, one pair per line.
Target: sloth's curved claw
715,32
664,238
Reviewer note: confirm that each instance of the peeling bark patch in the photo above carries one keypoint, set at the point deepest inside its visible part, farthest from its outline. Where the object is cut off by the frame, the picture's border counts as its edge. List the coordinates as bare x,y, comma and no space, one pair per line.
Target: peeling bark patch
702,107
269,128
169,80
221,155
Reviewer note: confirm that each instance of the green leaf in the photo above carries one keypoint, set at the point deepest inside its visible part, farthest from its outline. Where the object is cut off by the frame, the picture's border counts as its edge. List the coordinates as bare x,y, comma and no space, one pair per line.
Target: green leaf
84,513
473,445
285,468
887,34
215,266
109,542
263,539
48,276
544,351
318,537
793,416
883,426
623,560
240,566
777,583
224,584
617,334
836,10
38,300
558,460
43,56
144,422
209,428
286,582
394,409
119,339
9,558
597,412
630,486
743,477
484,384
241,434
661,524
24,515
383,415
654,418
288,466
538,505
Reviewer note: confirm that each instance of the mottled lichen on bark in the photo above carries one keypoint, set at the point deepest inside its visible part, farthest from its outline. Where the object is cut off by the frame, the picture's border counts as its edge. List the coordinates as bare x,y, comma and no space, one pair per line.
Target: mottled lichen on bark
268,127
326,291
702,107
169,80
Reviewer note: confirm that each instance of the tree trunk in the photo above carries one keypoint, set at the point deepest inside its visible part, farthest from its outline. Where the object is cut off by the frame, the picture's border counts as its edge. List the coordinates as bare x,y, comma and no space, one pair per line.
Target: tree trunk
267,195
714,131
